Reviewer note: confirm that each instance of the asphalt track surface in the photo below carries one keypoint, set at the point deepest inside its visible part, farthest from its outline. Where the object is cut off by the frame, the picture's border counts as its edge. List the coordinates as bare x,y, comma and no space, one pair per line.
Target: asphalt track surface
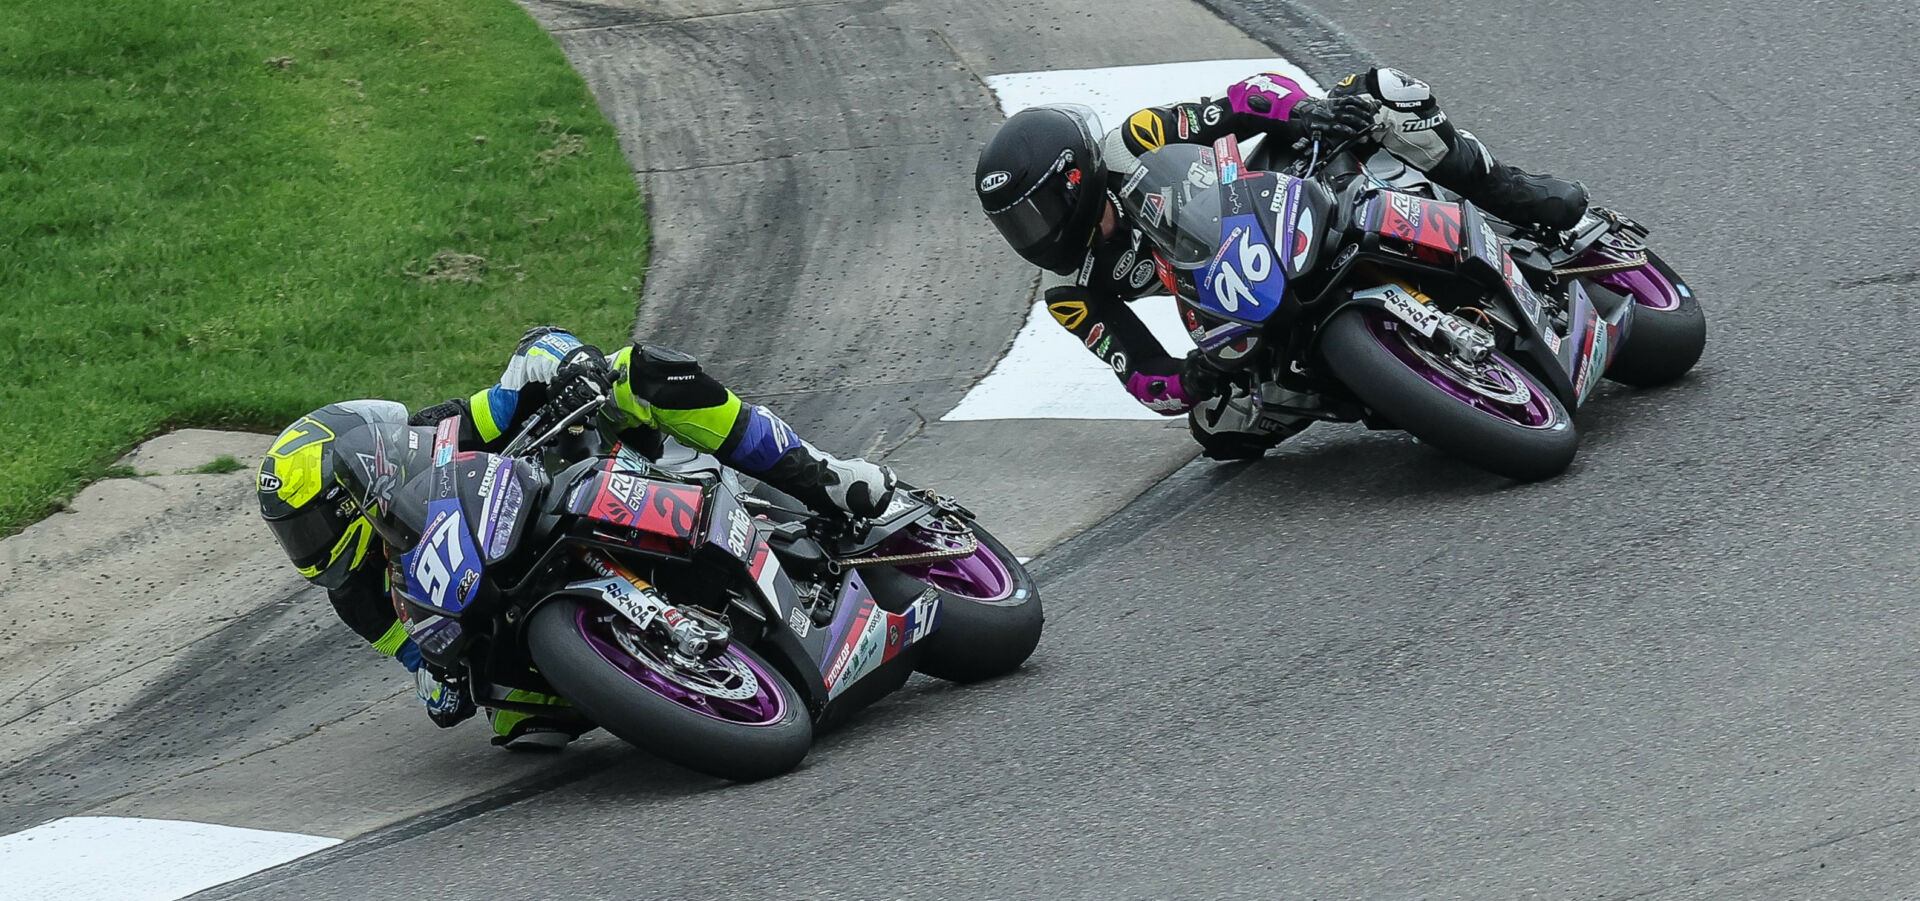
1360,670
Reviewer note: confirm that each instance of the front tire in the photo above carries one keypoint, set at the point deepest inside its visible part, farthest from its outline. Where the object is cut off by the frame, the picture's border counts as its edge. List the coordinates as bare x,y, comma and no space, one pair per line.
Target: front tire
1383,362
578,649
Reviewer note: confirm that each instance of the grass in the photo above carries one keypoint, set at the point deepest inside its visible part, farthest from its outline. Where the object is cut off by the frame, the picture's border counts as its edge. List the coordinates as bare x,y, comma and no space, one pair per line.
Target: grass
220,465
224,213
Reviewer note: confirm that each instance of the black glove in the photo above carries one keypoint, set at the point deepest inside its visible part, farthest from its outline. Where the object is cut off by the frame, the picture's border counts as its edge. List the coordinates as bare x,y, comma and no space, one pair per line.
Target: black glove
1199,378
582,376
1334,119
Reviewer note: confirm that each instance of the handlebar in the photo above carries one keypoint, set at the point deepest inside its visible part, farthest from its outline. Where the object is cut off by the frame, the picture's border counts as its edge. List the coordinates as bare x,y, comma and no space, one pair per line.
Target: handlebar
523,445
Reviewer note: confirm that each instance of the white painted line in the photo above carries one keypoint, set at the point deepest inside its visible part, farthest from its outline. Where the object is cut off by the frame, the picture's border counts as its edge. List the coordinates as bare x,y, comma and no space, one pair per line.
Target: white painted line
1115,93
132,859
1048,374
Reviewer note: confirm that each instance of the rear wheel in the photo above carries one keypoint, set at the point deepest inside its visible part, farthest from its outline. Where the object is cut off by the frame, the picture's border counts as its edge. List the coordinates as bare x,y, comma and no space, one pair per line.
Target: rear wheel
1495,415
990,617
1669,329
733,717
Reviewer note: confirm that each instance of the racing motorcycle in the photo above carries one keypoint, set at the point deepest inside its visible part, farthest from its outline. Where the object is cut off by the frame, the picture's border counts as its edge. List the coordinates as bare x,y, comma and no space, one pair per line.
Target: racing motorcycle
711,625
1353,289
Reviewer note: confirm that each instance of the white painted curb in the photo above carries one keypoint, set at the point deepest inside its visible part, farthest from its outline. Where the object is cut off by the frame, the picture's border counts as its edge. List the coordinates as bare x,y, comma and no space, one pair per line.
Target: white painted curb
132,859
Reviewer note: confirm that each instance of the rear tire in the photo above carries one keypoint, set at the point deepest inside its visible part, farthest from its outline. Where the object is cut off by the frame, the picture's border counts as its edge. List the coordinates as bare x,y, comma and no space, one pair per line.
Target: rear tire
1394,389
982,639
660,725
1664,344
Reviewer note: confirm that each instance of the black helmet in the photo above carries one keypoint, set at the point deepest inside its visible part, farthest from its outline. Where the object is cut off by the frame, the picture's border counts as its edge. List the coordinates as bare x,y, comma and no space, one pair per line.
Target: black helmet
301,497
1043,183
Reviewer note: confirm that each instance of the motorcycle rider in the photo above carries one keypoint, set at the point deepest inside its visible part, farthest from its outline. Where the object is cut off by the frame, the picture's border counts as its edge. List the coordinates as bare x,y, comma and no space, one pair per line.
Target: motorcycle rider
1049,180
653,391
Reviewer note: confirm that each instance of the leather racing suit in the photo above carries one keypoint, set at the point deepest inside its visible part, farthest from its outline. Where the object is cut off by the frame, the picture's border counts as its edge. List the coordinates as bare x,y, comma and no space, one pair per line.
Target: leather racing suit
655,392
1119,267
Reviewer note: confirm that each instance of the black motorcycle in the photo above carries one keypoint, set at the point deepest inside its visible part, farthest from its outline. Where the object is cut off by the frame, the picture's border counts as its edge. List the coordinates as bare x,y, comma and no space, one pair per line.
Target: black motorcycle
1356,290
708,624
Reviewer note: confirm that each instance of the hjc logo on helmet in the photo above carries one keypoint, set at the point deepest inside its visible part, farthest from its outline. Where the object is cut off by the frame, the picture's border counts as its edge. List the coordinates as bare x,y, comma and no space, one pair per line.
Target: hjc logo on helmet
994,182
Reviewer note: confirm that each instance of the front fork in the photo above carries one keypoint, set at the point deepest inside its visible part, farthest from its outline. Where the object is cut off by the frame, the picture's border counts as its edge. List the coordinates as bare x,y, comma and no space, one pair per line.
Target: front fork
691,633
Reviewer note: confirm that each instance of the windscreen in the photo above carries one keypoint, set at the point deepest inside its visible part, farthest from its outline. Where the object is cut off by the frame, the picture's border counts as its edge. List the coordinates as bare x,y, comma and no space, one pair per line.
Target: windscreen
386,467
1175,198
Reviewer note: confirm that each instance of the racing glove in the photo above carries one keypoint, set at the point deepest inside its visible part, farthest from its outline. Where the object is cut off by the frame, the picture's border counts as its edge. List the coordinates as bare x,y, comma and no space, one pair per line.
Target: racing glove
582,376
447,705
1334,119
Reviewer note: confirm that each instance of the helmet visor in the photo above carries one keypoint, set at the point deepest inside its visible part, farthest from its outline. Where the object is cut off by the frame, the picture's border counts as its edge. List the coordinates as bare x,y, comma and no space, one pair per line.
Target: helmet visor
1040,212
310,536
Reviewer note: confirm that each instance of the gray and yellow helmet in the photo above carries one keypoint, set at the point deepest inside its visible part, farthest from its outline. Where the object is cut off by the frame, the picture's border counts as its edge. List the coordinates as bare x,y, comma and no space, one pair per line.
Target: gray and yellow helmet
310,513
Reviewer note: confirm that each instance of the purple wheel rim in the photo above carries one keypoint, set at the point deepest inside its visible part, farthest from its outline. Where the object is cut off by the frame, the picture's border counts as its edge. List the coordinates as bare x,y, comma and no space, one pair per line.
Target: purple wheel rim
1647,285
980,576
766,707
1537,412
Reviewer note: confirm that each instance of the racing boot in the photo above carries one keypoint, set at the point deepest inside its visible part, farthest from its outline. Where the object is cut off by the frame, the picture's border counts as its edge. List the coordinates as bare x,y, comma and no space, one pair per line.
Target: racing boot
827,483
517,731
1232,426
1508,192
762,445
1410,125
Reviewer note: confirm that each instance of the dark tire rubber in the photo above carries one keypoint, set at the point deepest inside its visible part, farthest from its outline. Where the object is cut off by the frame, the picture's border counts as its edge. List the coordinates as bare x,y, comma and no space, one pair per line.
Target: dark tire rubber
979,640
1430,414
1663,344
656,724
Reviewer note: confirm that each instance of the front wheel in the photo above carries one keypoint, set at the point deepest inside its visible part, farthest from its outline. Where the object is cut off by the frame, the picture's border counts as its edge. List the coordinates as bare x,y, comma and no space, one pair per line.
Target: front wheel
1669,329
733,717
1496,416
990,617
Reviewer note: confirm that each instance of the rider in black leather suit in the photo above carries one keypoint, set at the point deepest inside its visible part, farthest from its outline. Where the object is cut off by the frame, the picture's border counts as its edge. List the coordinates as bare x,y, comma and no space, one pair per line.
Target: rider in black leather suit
1048,179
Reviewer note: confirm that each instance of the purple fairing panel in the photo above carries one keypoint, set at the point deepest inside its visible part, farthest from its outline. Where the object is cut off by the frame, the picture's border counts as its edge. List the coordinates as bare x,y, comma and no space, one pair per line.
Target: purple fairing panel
502,498
443,569
854,600
1268,95
731,527
1593,345
1244,281
436,635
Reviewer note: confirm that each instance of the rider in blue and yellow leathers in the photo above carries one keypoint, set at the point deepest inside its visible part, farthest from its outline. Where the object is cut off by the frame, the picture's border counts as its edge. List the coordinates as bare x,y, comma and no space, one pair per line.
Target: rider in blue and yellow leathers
655,391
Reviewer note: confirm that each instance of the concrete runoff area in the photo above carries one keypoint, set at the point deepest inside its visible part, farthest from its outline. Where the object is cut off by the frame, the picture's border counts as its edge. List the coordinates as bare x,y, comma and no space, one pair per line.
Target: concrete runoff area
822,250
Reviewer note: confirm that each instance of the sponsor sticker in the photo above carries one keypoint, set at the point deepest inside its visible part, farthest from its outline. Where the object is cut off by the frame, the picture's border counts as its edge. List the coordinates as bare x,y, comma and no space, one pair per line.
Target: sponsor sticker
1411,310
1099,331
1147,130
739,531
1069,313
1142,274
799,622
994,181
